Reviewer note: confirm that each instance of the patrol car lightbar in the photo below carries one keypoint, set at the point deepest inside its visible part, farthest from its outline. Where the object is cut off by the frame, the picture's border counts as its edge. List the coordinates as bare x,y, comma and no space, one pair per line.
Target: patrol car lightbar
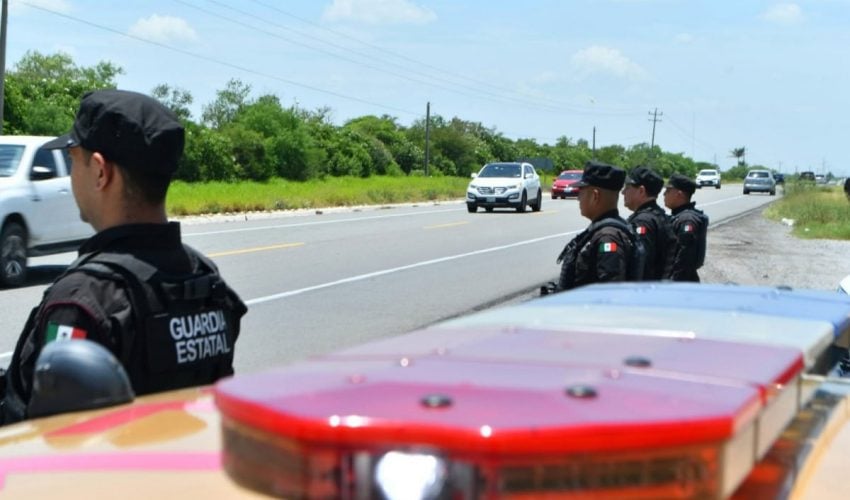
512,413
291,469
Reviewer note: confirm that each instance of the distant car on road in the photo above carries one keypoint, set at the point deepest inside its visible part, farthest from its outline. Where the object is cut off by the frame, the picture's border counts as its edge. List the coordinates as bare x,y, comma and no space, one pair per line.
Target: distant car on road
515,185
779,178
820,179
562,186
38,215
760,181
807,176
708,177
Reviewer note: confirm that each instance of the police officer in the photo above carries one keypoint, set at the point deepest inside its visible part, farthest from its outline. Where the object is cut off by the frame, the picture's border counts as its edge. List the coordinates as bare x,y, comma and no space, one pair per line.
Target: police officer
602,252
690,227
159,306
651,222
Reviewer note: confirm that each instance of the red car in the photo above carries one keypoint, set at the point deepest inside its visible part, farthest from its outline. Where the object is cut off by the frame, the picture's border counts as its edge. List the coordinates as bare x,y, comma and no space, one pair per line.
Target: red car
563,184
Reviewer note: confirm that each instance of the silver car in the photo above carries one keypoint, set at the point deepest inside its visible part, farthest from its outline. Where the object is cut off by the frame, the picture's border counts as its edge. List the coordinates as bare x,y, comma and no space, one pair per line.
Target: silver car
760,181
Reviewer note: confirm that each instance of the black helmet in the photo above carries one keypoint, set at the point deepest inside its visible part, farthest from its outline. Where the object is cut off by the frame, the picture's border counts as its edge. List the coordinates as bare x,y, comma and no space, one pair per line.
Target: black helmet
76,375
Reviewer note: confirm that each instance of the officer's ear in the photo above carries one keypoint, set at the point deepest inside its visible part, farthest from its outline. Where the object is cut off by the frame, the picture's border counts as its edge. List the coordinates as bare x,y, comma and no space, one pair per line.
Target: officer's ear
105,170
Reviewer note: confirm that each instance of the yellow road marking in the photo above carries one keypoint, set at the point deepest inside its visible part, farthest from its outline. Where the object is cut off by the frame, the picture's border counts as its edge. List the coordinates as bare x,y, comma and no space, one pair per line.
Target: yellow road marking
255,249
451,224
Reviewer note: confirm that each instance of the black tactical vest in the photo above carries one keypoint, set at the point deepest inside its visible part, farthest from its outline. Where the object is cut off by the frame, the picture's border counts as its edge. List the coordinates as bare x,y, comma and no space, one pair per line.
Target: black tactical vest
183,327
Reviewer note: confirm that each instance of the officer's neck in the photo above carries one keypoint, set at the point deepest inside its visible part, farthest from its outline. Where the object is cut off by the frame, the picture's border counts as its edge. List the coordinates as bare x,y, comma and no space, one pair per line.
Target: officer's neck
147,214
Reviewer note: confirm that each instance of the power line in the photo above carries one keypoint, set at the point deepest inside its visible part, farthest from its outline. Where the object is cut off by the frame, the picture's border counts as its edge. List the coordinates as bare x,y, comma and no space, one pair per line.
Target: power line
220,62
561,106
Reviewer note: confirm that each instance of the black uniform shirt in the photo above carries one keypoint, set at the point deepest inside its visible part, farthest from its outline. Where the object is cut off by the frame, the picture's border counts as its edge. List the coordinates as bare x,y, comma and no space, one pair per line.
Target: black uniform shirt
683,261
79,305
652,226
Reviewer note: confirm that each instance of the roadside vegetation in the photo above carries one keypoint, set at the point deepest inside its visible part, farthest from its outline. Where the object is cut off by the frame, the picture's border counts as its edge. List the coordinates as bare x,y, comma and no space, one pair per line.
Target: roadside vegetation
241,136
817,211
186,198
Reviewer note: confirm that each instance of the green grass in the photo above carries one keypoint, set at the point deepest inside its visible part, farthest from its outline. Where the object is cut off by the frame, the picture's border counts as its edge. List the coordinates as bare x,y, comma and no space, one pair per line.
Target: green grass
278,194
817,211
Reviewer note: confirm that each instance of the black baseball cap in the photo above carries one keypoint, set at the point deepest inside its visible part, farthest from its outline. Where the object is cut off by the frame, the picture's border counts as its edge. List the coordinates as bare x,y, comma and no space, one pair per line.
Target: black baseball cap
602,175
131,129
646,177
682,183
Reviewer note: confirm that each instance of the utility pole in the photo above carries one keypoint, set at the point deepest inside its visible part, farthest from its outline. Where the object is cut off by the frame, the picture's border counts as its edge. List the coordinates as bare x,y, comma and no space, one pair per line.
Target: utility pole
3,15
655,119
594,142
427,136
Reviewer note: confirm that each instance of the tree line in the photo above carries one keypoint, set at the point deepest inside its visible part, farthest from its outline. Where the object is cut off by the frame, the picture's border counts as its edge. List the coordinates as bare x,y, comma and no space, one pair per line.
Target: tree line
243,137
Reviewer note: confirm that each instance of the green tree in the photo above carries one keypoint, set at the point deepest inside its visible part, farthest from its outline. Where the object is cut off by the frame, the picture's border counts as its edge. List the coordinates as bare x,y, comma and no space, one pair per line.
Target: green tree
740,154
227,104
42,92
289,150
174,98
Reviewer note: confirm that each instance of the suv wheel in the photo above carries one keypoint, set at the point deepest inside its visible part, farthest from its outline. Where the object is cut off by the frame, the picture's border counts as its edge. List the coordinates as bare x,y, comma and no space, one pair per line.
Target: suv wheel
471,208
13,255
538,203
717,186
522,203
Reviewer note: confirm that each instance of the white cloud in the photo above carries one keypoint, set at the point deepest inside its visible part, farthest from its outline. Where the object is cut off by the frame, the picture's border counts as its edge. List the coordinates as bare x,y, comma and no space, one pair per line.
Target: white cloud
598,59
163,29
783,13
378,12
18,7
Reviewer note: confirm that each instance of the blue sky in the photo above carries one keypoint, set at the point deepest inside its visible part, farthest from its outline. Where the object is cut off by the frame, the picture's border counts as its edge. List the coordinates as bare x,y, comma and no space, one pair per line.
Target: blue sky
769,76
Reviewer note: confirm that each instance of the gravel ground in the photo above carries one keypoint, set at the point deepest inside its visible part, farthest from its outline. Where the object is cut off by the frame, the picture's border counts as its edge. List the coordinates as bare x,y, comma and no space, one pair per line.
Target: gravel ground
753,250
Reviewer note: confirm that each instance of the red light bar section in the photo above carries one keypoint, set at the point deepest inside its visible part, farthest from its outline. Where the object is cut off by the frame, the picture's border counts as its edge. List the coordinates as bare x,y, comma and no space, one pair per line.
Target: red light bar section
517,392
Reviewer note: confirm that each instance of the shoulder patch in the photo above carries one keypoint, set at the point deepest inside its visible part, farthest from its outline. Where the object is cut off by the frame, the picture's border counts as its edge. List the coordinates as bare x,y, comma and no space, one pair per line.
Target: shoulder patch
640,230
607,247
56,331
688,228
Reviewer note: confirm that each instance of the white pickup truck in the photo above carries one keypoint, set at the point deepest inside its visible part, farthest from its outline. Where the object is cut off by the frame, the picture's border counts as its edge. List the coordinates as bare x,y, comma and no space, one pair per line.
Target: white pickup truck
37,209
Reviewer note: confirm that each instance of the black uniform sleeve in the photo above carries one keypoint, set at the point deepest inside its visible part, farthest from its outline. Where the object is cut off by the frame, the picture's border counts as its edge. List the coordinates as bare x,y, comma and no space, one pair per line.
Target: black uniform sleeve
71,309
686,251
611,259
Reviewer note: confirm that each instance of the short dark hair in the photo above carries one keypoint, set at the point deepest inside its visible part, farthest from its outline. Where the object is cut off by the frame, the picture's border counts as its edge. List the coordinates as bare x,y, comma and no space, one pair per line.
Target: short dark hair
142,187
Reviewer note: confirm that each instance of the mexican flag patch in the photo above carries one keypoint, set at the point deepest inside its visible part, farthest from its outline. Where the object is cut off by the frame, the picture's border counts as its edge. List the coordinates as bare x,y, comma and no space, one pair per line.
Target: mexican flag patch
607,247
63,332
688,228
640,230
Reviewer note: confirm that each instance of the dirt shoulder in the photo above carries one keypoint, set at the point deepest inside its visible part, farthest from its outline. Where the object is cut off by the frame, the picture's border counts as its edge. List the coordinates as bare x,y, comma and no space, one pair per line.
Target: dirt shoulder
753,250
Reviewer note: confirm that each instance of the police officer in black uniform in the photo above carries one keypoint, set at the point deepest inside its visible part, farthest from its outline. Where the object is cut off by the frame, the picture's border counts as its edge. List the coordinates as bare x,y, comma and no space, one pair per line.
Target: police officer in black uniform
602,252
159,306
651,222
690,228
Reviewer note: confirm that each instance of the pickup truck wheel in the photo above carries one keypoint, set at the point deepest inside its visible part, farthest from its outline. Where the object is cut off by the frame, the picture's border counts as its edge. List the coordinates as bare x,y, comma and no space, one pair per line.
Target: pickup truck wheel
13,255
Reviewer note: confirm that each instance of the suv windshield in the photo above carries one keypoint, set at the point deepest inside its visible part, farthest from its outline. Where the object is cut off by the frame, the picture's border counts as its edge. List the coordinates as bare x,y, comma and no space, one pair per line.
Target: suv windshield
10,158
501,170
708,172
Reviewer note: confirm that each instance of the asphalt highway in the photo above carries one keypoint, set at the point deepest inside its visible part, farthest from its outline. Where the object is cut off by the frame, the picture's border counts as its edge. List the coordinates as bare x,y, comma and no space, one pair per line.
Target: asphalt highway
316,282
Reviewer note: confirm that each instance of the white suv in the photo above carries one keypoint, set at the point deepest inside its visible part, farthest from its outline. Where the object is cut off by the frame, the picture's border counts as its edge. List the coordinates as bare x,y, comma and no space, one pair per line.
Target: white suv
514,185
37,209
708,177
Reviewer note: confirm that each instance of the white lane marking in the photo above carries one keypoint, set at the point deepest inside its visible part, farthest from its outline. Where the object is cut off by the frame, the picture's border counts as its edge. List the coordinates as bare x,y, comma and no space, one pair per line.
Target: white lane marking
318,223
352,279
